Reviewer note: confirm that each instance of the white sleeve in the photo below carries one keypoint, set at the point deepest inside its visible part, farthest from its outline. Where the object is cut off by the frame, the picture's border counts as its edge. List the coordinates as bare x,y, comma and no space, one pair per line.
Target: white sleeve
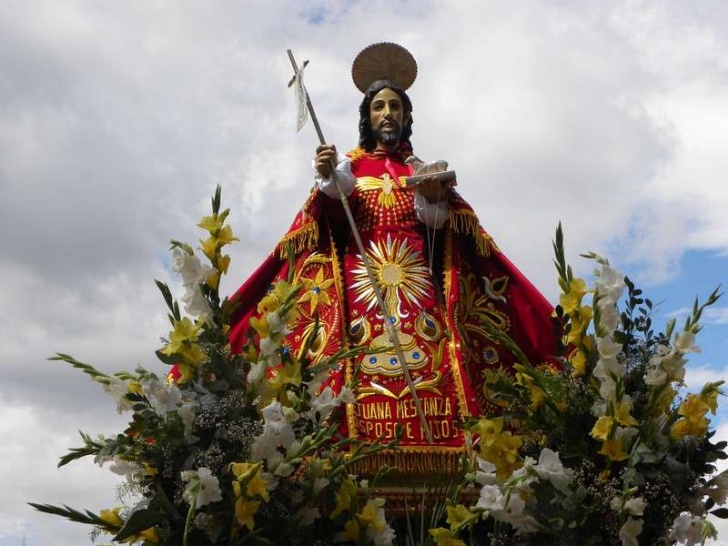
344,174
432,215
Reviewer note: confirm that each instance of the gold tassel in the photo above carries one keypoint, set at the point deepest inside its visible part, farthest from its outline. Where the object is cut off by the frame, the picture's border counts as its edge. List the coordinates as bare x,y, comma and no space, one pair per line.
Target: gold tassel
304,238
427,462
465,221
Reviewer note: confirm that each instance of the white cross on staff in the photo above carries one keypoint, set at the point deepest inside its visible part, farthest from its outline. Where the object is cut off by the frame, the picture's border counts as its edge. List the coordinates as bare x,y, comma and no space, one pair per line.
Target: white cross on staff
389,322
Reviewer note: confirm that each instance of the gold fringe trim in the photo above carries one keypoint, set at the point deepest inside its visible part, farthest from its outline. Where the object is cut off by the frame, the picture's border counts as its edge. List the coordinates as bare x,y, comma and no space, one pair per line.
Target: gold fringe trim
356,153
304,238
465,221
429,461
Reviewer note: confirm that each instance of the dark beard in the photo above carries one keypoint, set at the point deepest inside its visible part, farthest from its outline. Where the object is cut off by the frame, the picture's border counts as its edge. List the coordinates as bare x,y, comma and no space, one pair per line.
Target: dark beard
389,136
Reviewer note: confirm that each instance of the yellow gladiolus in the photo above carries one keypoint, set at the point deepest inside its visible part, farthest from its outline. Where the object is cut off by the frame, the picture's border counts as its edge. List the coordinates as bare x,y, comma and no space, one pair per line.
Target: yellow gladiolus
664,399
250,473
709,395
344,497
502,451
613,450
578,362
693,408
148,535
602,428
213,281
622,415
225,237
351,530
580,319
213,222
245,511
223,263
571,298
569,302
209,247
269,303
689,427
112,517
186,373
538,396
488,429
185,331
456,515
192,354
260,324
288,374
445,537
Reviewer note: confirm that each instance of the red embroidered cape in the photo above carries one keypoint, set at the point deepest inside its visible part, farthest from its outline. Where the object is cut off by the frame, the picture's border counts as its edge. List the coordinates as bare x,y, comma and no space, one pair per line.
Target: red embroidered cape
439,316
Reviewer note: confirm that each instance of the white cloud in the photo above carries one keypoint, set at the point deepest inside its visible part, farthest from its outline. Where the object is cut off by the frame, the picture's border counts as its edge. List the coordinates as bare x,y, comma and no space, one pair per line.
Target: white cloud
34,441
716,315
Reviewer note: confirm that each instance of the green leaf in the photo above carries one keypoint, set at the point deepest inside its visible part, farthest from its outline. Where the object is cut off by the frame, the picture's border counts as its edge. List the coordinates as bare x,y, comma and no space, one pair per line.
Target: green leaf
167,359
141,520
74,515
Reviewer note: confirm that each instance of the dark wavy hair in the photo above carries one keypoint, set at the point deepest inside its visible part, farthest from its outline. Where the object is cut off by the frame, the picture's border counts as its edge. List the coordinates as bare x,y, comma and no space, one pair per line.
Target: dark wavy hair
367,141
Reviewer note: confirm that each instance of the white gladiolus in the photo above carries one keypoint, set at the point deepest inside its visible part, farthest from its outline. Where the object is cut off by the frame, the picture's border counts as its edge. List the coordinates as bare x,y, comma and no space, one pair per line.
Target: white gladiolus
187,413
608,348
203,487
124,468
719,489
635,506
257,372
196,304
347,395
118,389
307,515
656,376
686,529
491,498
190,268
513,514
324,404
549,467
685,343
630,531
276,431
162,397
610,284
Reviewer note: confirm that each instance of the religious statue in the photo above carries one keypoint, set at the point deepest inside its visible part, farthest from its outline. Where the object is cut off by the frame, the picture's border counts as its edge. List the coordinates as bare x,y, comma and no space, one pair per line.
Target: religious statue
445,285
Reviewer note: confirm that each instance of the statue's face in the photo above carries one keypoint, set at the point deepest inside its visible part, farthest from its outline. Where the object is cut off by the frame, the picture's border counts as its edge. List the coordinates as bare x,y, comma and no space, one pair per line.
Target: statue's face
386,114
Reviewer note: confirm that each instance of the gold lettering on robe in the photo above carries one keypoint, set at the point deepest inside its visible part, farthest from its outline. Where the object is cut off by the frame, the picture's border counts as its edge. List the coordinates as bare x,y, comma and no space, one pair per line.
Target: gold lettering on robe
374,410
431,407
441,429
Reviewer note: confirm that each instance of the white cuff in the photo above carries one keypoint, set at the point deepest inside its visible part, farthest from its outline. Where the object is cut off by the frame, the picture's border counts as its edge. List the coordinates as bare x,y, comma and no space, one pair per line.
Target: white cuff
344,174
433,215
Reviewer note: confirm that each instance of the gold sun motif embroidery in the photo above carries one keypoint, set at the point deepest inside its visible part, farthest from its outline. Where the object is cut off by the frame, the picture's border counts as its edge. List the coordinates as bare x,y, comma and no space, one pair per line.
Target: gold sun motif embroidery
401,272
315,289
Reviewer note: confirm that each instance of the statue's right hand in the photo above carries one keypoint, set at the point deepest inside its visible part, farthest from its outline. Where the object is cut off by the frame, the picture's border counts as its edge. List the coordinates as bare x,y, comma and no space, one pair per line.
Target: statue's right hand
325,158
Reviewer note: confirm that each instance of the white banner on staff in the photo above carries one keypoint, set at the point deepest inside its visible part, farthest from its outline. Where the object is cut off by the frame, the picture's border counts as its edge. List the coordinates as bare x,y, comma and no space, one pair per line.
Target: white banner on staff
302,113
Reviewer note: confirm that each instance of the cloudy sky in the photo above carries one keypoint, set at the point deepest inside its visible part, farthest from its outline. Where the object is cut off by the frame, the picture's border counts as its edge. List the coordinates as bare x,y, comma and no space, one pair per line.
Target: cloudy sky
117,120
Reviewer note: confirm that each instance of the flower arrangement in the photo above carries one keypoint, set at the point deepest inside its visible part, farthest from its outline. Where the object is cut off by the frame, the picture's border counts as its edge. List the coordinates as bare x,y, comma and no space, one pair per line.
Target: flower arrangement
229,449
603,449
597,447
